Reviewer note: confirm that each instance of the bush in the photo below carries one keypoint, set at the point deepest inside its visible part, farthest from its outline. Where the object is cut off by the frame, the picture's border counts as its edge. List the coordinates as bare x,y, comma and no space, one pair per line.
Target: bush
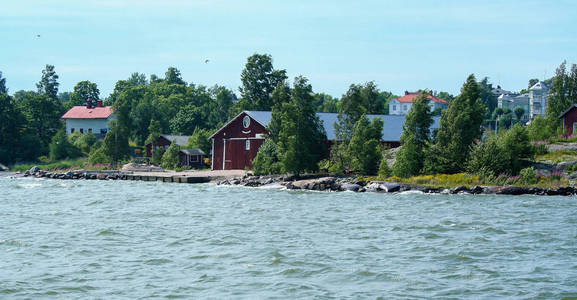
384,169
98,156
541,149
170,159
539,129
267,160
487,159
529,175
60,147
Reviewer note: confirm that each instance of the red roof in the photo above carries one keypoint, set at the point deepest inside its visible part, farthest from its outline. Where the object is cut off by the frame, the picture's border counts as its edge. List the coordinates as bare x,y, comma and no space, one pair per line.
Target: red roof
83,112
410,97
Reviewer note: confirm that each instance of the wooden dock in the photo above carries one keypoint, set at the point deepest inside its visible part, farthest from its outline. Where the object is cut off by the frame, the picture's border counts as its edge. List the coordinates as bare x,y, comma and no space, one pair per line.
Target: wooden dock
184,177
168,178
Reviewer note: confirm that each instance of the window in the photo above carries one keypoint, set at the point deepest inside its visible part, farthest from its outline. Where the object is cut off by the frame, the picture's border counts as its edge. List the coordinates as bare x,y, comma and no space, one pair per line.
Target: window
194,158
394,107
71,130
404,107
81,130
90,130
246,122
103,131
247,145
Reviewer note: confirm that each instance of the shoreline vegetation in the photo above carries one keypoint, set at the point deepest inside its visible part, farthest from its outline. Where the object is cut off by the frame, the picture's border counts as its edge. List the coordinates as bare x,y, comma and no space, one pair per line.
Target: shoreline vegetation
477,144
429,184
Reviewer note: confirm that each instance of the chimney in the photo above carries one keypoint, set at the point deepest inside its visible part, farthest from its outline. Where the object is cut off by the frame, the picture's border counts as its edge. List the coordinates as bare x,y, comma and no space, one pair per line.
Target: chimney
99,103
88,103
406,93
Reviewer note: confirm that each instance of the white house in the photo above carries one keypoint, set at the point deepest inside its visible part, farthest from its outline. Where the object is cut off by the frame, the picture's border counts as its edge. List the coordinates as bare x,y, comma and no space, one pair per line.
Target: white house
538,99
514,100
402,105
89,118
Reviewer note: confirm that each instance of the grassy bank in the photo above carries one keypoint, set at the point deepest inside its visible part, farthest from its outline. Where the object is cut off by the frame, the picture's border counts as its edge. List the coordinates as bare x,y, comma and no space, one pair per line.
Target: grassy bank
61,165
464,179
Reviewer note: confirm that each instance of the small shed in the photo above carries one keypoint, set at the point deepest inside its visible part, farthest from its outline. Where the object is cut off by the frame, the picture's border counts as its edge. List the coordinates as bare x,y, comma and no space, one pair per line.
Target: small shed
569,118
165,140
191,157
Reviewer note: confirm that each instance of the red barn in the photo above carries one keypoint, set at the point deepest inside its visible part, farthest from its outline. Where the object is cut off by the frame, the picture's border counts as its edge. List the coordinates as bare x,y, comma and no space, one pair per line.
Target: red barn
570,120
236,144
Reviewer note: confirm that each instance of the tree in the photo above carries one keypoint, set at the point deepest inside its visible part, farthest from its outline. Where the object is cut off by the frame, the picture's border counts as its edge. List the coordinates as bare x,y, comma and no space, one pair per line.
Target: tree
460,127
415,139
115,145
186,120
48,84
517,147
351,109
61,148
302,136
486,94
532,82
84,91
12,126
280,96
363,147
562,94
3,89
42,114
85,142
170,158
173,76
259,79
200,139
519,112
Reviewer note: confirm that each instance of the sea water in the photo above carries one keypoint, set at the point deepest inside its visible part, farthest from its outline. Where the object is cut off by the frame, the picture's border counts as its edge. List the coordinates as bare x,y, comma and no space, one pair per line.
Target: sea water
127,239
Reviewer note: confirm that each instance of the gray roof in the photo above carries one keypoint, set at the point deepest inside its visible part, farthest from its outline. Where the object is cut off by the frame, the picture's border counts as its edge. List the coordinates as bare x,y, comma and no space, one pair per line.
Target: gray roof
539,86
180,140
392,124
194,151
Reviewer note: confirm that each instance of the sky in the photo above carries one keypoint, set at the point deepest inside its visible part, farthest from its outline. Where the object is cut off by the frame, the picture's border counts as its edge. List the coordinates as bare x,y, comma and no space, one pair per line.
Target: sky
400,45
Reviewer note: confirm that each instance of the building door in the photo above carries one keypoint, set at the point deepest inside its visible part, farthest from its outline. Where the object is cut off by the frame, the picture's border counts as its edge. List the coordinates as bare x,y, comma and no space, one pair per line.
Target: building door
235,155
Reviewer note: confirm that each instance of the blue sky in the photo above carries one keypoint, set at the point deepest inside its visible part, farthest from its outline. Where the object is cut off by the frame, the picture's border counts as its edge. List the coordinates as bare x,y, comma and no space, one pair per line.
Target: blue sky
401,45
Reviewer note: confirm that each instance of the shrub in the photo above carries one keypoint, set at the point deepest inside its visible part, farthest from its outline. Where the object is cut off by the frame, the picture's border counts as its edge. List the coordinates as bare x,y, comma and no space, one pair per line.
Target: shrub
539,129
61,148
384,169
170,159
487,159
529,175
267,160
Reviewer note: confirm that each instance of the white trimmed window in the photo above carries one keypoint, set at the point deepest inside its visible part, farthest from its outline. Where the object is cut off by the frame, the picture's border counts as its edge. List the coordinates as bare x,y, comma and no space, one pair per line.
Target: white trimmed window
247,145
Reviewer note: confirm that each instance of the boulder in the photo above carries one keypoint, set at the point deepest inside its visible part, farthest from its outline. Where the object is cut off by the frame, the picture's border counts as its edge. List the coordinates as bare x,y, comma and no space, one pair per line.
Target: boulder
101,176
3,168
511,190
34,169
351,187
461,190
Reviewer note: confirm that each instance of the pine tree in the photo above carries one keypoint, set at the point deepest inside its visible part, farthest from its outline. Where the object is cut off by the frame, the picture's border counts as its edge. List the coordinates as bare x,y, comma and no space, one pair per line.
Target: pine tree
460,127
414,139
363,147
302,136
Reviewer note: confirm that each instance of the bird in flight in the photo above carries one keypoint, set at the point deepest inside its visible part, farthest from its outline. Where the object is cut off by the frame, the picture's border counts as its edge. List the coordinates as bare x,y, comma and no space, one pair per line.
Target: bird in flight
206,61
37,35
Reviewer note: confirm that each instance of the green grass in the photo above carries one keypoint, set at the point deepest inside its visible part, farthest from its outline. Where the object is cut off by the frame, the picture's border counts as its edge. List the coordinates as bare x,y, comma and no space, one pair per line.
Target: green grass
557,156
469,180
51,166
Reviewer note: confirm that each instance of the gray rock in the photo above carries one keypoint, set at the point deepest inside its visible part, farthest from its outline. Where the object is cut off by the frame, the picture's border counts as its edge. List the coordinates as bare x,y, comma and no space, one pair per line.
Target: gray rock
3,168
511,190
461,190
34,169
351,187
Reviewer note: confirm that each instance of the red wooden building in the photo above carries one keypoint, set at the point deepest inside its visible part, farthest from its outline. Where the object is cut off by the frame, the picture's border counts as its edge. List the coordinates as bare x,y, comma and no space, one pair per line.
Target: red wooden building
570,120
236,144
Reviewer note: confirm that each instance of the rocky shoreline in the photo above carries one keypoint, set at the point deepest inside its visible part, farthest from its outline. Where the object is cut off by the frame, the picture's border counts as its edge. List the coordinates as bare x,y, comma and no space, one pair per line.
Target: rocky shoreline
339,184
325,183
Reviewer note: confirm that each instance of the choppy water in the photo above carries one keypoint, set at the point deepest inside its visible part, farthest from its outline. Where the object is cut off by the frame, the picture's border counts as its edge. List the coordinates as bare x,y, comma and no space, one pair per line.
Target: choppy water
111,239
